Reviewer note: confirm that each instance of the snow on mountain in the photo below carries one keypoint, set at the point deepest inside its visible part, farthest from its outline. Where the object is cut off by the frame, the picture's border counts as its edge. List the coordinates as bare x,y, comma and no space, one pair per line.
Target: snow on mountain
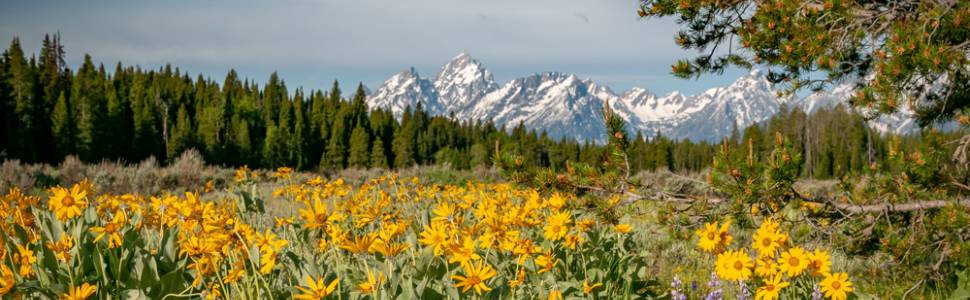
566,106
461,81
900,122
747,101
561,104
406,89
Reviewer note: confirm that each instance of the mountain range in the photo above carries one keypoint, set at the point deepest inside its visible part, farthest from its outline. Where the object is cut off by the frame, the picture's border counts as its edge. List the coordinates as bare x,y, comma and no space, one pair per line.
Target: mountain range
566,106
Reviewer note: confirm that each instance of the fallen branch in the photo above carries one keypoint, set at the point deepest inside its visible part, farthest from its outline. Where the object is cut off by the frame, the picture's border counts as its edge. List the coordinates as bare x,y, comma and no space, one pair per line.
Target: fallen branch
821,201
894,207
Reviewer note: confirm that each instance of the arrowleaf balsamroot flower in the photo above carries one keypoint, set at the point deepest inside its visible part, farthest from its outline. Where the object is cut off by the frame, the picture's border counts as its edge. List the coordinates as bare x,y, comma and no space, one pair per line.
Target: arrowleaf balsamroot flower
588,288
767,239
316,289
6,279
734,265
771,289
475,276
713,238
80,293
68,203
622,228
111,230
372,283
819,262
836,286
794,261
557,226
435,236
62,247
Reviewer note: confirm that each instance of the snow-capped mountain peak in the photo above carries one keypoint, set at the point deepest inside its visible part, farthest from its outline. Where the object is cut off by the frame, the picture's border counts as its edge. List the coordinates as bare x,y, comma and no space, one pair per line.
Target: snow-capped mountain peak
566,106
462,80
405,89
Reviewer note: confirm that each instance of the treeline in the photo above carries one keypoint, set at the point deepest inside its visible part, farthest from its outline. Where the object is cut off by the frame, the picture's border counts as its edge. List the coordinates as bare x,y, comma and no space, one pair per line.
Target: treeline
129,114
49,111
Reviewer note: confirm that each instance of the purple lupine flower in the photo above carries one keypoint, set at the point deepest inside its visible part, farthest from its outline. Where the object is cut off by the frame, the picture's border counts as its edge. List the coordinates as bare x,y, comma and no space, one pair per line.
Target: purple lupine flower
816,293
675,293
743,293
715,295
715,282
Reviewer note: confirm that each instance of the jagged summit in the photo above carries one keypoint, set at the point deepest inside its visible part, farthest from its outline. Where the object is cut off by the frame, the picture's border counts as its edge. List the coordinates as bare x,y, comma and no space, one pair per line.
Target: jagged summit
566,106
461,80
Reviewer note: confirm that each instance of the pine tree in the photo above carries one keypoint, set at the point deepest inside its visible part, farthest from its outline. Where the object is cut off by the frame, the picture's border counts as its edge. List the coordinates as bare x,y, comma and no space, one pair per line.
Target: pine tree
273,147
20,81
181,138
87,95
403,148
241,146
63,127
211,125
146,134
897,47
359,144
378,158
301,141
336,156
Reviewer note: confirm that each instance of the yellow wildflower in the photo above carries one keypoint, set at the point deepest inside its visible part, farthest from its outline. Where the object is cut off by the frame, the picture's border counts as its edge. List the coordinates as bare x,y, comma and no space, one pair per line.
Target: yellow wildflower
316,289
25,258
67,204
62,247
372,283
111,230
436,237
555,295
557,226
734,265
793,262
836,286
80,293
6,279
475,276
819,262
771,289
588,288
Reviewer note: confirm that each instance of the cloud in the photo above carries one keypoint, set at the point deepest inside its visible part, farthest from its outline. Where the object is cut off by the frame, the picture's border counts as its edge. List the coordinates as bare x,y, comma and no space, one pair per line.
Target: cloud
583,17
314,42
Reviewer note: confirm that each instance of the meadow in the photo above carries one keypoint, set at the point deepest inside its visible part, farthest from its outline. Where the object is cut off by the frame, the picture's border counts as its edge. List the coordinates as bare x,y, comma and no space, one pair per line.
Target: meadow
193,231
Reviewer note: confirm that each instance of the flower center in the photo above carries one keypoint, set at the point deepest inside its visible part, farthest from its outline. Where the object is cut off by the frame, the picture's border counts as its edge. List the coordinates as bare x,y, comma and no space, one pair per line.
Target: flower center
67,201
836,285
766,242
793,261
710,235
738,265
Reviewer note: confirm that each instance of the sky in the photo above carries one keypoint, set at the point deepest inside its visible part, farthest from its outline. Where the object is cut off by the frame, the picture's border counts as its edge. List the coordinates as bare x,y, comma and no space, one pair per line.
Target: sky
313,43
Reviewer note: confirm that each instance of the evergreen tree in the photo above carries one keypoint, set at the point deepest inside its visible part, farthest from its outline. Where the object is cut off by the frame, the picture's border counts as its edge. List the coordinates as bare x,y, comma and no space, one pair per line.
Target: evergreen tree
88,98
359,144
63,127
378,158
20,82
274,147
181,138
336,156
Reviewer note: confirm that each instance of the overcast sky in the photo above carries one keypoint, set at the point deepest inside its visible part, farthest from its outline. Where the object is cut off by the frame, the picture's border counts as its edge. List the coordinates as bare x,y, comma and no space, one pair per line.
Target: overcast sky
311,43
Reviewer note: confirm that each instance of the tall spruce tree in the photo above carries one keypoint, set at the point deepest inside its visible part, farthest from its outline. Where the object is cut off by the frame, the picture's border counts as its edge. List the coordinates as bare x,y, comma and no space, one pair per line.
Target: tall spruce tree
378,156
359,147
